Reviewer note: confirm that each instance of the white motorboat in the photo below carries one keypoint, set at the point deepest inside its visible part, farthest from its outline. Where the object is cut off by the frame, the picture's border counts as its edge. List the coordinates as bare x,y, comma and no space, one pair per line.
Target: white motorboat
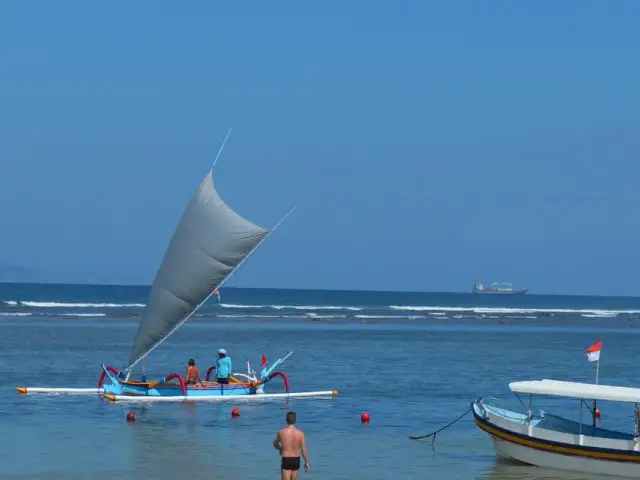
546,440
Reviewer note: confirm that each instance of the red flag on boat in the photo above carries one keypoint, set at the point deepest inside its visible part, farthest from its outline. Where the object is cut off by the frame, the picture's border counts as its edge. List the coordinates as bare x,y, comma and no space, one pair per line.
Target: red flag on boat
593,352
263,362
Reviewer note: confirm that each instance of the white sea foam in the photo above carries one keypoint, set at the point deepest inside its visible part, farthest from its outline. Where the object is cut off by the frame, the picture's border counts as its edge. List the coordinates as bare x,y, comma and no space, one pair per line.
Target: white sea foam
231,305
293,307
504,310
14,303
318,315
311,307
15,314
431,310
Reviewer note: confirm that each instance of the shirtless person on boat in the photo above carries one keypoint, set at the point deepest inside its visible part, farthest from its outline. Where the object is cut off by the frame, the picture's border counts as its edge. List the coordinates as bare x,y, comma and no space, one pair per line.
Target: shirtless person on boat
193,373
290,442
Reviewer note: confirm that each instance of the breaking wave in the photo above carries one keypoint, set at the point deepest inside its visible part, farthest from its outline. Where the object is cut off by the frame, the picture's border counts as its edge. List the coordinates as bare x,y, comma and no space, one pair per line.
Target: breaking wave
503,310
294,307
263,310
16,303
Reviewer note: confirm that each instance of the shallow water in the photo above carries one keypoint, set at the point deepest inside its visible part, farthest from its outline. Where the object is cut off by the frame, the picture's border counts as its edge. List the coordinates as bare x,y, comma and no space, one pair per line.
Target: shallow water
412,377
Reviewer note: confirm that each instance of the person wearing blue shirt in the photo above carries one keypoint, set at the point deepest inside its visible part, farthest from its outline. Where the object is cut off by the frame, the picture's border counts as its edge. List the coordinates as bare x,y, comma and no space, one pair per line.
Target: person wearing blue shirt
223,367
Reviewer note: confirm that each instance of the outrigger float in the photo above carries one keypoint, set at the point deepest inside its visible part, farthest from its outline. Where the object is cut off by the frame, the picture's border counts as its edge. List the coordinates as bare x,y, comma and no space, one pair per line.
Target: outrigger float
210,242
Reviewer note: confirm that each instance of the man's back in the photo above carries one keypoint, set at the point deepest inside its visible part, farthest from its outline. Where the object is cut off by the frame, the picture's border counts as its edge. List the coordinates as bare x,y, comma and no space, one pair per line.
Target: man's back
193,373
290,442
291,439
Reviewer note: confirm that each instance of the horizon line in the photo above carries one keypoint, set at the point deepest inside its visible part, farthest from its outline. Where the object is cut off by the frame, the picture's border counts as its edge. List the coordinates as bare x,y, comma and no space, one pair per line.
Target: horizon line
540,294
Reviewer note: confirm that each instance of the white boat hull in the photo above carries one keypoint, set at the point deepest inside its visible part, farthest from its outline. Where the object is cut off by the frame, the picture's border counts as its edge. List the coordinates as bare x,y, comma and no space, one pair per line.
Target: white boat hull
557,461
553,442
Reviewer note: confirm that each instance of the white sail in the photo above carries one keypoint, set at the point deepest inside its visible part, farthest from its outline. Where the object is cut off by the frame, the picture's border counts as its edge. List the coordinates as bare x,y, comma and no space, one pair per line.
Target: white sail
209,243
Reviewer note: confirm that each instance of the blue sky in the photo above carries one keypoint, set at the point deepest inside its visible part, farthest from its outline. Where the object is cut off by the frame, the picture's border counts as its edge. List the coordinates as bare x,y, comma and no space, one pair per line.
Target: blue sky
426,144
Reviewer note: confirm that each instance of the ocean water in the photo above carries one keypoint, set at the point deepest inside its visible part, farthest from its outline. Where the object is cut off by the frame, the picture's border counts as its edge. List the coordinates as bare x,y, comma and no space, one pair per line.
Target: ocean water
414,361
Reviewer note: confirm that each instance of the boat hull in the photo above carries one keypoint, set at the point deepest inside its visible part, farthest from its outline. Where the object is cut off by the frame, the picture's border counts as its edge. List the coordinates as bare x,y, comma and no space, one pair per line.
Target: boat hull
487,291
118,387
528,444
175,390
526,455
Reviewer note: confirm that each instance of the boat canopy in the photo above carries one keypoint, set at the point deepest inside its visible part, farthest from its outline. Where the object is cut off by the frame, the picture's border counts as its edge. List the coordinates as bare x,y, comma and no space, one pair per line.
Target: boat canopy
577,390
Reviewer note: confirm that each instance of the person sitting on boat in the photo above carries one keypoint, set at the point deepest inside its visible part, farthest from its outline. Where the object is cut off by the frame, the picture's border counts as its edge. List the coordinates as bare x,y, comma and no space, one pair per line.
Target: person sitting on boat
223,367
193,373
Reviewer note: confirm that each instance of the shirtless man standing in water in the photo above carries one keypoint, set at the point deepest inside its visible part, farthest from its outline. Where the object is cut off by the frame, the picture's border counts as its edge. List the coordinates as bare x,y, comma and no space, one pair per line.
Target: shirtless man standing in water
289,442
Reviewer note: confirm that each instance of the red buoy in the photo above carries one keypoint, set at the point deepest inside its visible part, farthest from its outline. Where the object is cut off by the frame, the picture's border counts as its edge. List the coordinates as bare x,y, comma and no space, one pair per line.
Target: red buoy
235,412
364,418
598,412
131,417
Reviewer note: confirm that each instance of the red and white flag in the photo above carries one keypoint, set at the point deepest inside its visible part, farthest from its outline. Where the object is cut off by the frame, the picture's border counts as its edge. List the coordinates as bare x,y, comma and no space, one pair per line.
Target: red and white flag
593,352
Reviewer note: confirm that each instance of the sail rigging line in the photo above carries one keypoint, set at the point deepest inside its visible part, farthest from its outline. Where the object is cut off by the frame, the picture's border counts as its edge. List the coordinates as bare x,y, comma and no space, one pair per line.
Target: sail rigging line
130,367
224,280
221,148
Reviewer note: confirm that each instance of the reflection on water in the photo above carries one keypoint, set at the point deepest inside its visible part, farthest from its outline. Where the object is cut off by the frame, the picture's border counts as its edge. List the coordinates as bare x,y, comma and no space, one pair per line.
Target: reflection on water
504,469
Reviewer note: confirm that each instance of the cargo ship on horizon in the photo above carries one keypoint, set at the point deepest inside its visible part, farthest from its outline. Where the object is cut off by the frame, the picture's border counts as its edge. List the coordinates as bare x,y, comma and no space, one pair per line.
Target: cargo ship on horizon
497,288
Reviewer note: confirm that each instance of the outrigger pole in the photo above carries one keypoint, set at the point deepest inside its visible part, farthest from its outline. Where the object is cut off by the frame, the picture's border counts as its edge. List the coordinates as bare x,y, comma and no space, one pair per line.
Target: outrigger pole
217,398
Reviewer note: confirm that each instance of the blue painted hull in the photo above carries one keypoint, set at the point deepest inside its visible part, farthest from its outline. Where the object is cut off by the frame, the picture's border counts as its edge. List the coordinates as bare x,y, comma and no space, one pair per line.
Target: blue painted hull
174,390
115,386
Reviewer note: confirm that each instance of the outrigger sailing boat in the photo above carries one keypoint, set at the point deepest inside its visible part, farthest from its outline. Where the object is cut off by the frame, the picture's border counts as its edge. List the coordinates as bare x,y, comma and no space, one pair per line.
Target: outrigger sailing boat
547,440
210,242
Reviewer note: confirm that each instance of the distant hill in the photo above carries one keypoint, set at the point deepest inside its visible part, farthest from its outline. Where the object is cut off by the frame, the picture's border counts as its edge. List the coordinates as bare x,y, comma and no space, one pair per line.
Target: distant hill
24,274
19,274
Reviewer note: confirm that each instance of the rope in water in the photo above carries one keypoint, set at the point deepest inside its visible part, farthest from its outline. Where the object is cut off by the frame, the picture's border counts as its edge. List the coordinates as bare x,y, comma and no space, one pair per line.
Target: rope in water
441,429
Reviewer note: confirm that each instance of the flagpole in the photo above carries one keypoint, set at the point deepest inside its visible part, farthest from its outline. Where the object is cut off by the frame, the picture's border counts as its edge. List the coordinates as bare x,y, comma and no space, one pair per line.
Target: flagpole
598,362
597,374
